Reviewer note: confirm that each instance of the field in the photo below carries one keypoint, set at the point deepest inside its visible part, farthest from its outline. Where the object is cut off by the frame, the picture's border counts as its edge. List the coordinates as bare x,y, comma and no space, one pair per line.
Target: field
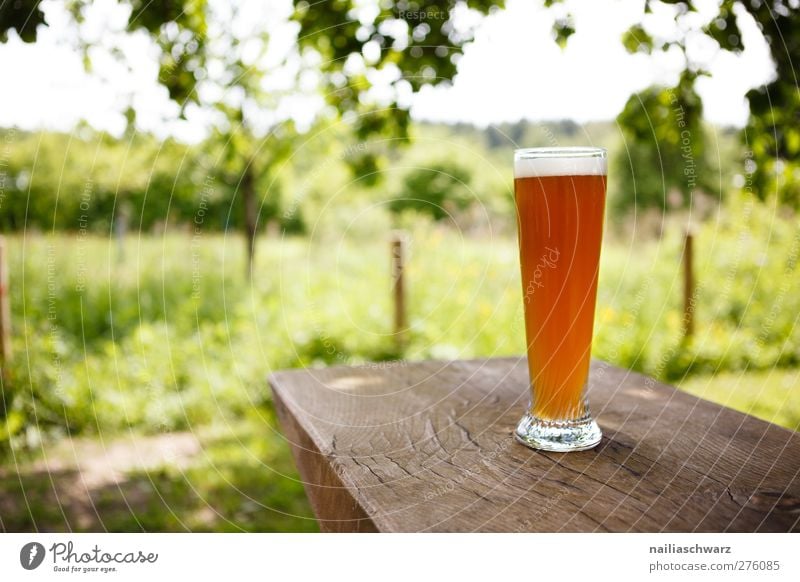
162,342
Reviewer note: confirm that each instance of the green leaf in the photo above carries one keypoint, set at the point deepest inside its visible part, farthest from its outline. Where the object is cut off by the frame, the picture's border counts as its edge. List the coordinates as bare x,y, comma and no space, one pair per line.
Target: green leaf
562,30
23,16
636,39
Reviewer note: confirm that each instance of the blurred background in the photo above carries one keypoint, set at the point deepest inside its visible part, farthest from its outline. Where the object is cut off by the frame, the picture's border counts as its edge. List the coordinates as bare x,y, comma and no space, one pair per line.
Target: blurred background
196,193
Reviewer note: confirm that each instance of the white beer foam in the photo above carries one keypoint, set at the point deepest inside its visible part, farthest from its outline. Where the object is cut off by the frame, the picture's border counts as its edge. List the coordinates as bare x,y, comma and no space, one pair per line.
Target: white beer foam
579,165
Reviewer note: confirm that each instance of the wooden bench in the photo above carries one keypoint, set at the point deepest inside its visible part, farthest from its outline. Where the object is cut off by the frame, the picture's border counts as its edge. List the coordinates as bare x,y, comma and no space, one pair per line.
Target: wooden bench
406,447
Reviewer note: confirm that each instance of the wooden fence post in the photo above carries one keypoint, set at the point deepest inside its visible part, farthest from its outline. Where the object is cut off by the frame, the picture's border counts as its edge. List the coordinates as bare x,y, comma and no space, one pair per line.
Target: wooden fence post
398,257
689,299
5,311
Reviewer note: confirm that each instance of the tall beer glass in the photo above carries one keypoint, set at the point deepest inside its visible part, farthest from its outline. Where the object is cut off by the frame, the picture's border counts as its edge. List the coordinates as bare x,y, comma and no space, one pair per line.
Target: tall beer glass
560,195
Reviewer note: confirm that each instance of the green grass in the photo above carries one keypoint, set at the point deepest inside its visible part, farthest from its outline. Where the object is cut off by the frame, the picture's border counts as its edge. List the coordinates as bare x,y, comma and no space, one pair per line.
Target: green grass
170,336
769,394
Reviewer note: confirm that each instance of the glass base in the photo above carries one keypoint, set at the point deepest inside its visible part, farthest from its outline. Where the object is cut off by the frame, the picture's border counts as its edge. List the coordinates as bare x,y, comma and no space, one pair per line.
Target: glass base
558,436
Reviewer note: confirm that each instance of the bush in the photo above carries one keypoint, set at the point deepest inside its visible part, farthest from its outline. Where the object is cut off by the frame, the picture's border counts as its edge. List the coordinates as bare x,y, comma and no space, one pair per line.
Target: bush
438,191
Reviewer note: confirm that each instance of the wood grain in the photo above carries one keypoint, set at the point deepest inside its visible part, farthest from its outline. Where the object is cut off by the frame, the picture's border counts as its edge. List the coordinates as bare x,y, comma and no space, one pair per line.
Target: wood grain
428,447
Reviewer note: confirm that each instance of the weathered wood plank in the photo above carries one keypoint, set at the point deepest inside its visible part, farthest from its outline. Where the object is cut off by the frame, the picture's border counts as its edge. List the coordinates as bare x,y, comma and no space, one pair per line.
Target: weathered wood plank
332,503
428,447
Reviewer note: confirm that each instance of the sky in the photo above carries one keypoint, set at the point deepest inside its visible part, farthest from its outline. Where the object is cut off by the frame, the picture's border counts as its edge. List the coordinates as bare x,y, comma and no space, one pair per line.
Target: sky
512,71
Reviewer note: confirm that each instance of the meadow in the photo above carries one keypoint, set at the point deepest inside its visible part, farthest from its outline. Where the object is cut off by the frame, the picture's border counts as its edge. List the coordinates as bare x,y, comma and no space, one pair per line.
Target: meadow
165,335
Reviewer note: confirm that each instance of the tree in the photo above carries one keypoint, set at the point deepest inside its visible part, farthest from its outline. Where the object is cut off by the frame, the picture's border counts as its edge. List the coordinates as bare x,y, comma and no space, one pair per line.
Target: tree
773,129
397,46
772,136
438,191
662,164
205,60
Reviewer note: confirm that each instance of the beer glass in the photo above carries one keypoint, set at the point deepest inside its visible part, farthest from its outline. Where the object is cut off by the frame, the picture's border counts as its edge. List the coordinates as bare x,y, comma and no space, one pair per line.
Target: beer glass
560,197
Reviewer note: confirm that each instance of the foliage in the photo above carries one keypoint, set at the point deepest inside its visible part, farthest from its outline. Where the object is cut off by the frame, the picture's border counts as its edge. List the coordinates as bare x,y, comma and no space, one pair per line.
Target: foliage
663,163
746,265
771,137
773,129
80,182
84,181
214,57
23,16
171,337
439,190
405,45
395,46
